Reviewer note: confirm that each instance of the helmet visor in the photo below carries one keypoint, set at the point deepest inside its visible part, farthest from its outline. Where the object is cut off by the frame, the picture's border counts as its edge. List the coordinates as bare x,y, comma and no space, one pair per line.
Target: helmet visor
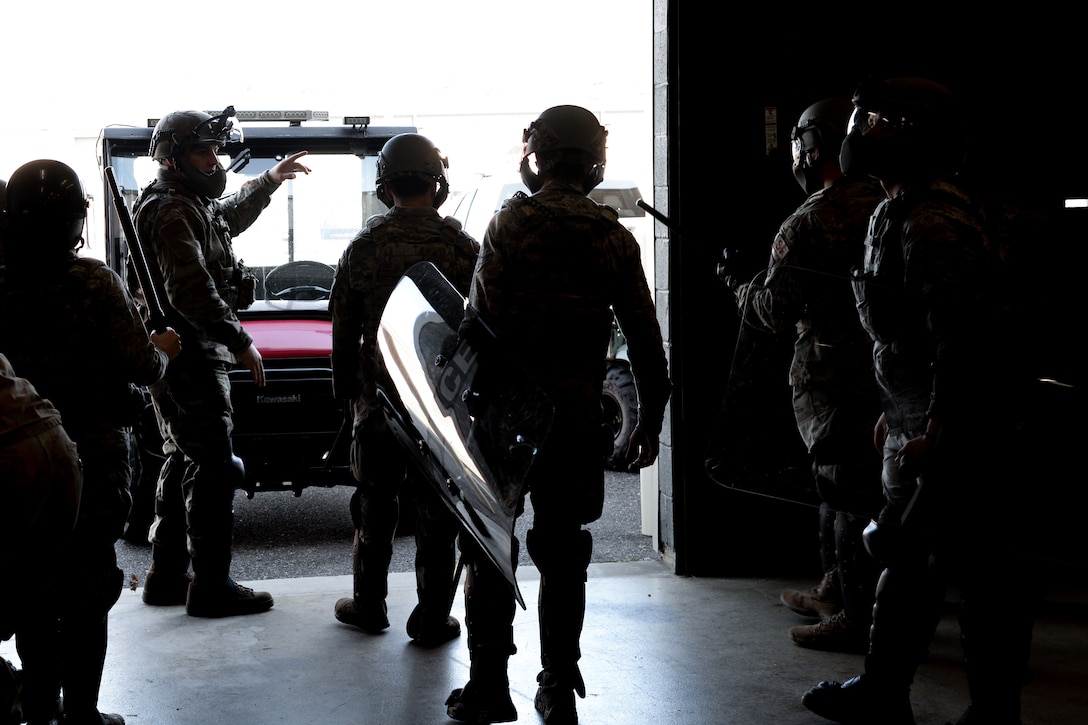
803,140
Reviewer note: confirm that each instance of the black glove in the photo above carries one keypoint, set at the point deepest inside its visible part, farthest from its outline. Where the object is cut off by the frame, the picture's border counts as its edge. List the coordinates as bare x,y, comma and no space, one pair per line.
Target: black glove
725,268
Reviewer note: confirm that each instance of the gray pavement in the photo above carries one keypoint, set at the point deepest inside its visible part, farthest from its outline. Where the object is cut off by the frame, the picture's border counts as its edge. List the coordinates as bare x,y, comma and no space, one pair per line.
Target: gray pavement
281,536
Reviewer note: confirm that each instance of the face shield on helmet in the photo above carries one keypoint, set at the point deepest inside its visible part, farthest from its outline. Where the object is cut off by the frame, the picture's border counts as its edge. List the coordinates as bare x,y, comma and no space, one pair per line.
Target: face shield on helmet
45,210
177,133
412,155
816,138
564,129
901,128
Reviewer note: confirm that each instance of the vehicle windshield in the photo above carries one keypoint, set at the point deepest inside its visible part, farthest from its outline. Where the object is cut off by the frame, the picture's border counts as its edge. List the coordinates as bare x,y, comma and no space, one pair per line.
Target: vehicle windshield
307,225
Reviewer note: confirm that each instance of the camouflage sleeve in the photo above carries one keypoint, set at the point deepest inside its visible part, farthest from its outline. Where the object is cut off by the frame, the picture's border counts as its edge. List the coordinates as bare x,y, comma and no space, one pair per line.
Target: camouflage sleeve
242,208
178,232
776,303
637,317
942,248
135,358
486,283
348,307
466,254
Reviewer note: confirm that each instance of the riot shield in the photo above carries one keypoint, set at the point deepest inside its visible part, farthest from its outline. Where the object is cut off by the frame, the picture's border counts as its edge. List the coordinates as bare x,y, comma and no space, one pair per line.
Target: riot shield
461,408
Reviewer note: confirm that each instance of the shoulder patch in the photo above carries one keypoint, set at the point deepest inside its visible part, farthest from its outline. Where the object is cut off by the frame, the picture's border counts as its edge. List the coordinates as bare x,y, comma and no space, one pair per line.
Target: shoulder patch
375,221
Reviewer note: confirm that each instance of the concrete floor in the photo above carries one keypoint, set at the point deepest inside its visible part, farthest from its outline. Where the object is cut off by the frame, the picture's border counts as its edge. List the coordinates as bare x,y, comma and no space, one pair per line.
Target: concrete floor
657,648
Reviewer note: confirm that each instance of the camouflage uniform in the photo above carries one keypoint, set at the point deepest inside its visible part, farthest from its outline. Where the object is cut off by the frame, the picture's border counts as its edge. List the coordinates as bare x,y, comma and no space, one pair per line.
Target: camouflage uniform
40,481
189,236
77,335
553,268
932,296
368,271
807,292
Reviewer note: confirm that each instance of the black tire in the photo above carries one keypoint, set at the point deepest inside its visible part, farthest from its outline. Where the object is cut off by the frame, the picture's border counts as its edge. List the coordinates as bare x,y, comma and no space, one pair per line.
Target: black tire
619,404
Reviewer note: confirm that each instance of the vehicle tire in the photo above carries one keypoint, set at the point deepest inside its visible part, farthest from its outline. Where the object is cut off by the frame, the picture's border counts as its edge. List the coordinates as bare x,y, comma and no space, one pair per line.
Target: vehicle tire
619,405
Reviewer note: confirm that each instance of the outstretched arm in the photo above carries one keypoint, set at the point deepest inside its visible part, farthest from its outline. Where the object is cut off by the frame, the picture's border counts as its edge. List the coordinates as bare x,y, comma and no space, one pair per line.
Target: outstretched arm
289,168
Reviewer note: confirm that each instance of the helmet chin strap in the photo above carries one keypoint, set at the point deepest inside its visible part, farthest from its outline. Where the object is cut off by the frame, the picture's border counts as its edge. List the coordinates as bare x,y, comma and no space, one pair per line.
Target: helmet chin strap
211,185
593,177
529,177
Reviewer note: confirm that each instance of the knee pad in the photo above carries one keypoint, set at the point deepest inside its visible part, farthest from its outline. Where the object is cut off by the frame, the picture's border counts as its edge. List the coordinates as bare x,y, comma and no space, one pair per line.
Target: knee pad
234,471
554,551
229,473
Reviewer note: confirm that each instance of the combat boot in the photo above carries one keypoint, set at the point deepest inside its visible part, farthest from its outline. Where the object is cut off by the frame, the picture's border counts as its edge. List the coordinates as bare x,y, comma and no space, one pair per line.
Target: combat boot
486,696
555,696
166,589
224,599
834,634
823,600
369,615
370,557
860,701
428,630
437,575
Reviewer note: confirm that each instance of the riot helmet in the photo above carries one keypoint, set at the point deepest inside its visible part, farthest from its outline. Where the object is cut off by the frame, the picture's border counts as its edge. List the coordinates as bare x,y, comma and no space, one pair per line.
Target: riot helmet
901,128
45,210
564,134
410,155
177,132
817,138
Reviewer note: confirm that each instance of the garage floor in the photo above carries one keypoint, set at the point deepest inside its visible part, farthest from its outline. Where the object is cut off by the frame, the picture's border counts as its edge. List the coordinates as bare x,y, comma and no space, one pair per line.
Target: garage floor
657,648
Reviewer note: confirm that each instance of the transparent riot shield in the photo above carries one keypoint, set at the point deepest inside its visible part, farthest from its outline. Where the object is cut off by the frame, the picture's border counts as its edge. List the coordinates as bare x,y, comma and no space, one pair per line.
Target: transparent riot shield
462,409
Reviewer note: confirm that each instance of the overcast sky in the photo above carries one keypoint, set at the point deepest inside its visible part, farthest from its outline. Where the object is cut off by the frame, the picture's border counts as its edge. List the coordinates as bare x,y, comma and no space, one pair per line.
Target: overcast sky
77,67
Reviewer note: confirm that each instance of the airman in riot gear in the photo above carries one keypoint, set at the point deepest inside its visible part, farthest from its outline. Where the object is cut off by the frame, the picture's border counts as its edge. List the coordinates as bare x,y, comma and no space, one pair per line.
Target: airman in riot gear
806,293
40,483
816,139
412,183
73,314
562,135
932,294
178,134
45,201
412,156
187,231
556,265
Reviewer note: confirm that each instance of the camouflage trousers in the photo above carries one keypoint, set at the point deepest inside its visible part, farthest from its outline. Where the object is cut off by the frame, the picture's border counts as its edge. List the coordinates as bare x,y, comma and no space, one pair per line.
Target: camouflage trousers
197,482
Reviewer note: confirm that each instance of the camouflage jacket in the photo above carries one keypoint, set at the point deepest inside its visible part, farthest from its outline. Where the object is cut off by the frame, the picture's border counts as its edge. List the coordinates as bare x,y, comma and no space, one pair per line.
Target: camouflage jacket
931,296
23,413
190,238
806,291
369,269
553,269
78,337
